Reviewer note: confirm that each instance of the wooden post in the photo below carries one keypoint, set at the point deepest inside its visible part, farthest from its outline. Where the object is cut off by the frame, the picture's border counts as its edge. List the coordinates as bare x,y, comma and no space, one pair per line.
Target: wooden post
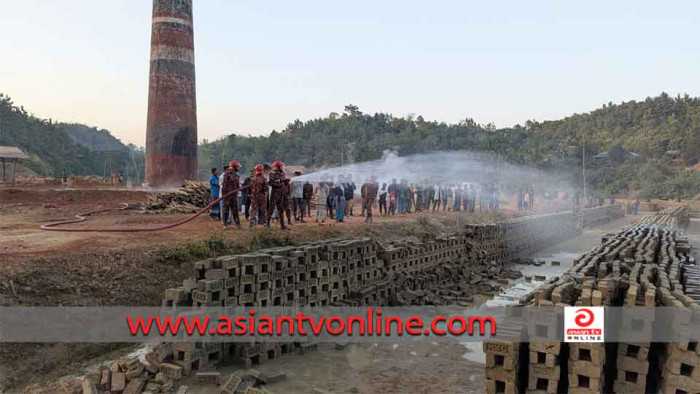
14,166
3,170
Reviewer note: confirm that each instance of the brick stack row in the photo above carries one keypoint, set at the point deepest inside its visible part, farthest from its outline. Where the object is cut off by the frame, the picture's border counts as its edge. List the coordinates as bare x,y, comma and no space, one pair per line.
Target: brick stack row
642,265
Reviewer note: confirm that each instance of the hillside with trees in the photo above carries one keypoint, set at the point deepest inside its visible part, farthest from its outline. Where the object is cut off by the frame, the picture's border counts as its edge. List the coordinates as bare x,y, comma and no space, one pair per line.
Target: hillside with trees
80,149
645,148
639,147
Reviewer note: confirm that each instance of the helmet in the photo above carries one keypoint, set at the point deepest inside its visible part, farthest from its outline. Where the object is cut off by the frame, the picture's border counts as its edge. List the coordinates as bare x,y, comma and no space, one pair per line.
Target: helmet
234,164
259,169
279,164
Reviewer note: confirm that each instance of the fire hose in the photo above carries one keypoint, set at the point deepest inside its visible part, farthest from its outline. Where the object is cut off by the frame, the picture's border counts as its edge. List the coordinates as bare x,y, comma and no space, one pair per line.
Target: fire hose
81,217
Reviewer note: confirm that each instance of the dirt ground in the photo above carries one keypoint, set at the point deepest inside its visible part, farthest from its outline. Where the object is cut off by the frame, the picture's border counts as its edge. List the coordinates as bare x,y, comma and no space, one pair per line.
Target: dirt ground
23,211
421,367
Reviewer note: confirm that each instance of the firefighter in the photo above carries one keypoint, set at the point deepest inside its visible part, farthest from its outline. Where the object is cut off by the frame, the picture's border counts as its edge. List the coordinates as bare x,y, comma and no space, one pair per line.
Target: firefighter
231,182
278,193
371,191
258,197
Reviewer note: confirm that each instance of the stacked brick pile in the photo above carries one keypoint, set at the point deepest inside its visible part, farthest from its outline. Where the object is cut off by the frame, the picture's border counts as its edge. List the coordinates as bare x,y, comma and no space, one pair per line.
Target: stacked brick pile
511,239
504,364
335,272
601,215
131,376
355,272
642,265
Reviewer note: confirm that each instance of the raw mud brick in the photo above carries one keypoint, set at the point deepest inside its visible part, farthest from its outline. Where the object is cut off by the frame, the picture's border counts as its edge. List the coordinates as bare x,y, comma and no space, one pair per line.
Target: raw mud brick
135,386
134,373
209,378
629,382
674,367
546,347
207,298
105,380
640,351
631,364
89,387
232,283
232,383
246,298
500,386
216,274
678,384
502,374
171,370
581,384
118,382
542,371
592,354
178,294
509,363
208,285
538,385
548,359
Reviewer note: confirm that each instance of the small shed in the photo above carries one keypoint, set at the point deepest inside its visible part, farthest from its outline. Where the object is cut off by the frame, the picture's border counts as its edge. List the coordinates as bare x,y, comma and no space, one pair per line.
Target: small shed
11,154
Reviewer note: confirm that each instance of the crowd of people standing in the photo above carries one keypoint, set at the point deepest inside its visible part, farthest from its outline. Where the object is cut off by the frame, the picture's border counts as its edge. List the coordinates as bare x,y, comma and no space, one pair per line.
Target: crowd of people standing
267,194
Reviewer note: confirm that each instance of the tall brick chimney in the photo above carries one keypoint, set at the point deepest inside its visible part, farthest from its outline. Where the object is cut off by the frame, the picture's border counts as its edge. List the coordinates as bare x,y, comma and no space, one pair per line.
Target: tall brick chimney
171,136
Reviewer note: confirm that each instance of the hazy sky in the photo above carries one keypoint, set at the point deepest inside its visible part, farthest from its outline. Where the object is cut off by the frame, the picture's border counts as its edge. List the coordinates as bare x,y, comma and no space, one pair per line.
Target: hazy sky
262,64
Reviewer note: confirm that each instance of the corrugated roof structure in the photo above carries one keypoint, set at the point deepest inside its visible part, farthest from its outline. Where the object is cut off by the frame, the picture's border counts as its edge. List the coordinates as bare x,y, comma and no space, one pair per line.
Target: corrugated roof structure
10,152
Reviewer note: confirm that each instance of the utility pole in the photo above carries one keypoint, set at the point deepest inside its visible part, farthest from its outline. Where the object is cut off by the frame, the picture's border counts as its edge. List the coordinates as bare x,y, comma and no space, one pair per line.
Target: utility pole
584,166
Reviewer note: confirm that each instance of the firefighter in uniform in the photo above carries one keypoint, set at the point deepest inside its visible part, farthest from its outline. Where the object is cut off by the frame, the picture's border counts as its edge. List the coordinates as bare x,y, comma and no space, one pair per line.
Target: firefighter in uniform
258,197
231,182
278,193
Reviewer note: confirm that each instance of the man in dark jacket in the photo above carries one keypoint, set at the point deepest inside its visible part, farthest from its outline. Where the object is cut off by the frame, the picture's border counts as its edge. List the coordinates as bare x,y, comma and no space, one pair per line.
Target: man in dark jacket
419,197
371,190
383,194
349,195
458,198
393,196
308,192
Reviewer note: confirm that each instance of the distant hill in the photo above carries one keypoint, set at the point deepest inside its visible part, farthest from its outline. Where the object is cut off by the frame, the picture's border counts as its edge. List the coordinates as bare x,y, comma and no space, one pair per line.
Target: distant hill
650,128
92,138
80,149
639,147
645,145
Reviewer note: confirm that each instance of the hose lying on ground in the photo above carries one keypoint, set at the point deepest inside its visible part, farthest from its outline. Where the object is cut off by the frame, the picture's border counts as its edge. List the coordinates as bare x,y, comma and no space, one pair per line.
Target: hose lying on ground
81,217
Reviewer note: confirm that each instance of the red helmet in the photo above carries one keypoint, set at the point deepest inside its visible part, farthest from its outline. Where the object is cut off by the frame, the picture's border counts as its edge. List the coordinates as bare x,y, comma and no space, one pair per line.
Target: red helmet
279,164
234,164
259,169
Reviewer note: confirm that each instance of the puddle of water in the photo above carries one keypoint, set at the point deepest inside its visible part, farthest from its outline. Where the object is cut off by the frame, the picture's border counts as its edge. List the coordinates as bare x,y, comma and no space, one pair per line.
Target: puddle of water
518,288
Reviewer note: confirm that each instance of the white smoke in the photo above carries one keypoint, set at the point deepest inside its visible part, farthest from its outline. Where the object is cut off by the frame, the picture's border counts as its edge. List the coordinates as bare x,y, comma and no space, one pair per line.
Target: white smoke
438,168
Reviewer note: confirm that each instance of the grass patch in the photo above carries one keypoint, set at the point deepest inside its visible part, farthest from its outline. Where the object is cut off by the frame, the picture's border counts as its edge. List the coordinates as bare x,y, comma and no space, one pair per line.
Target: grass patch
211,246
265,237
